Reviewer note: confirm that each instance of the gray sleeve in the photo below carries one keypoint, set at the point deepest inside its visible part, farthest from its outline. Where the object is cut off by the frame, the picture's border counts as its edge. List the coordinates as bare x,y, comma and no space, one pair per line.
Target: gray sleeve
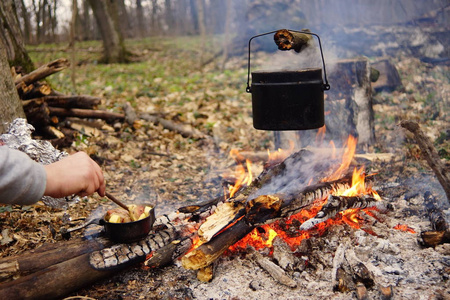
22,180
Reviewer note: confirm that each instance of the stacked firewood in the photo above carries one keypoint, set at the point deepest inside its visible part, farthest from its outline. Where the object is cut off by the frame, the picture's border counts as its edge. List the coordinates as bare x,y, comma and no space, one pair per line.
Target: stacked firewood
46,108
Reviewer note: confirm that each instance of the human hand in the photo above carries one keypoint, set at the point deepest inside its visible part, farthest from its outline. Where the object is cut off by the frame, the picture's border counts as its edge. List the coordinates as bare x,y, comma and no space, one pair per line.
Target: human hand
75,174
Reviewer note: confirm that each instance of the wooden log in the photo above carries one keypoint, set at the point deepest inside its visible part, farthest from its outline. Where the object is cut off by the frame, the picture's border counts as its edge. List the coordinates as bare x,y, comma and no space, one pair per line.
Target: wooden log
287,40
430,154
38,113
51,254
79,101
207,253
35,90
56,281
44,71
85,113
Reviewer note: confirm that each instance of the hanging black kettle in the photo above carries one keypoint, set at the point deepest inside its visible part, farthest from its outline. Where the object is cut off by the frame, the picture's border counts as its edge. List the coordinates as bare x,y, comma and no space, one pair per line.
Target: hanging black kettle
288,100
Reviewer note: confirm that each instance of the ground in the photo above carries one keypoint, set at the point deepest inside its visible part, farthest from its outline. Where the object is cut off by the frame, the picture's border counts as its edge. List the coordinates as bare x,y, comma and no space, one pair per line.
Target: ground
147,163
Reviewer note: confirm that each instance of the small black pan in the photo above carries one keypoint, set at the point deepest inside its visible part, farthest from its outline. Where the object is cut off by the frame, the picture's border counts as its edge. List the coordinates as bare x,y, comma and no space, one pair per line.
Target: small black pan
131,231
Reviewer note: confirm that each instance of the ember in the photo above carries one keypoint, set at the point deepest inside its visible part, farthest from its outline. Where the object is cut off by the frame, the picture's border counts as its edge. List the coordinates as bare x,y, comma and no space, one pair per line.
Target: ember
405,228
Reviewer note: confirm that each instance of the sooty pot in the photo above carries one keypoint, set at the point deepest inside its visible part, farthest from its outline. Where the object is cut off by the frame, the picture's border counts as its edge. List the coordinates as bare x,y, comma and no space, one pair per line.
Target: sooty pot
288,100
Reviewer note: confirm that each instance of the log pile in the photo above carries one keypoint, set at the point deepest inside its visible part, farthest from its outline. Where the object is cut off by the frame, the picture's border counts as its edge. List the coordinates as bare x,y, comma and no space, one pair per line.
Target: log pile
46,108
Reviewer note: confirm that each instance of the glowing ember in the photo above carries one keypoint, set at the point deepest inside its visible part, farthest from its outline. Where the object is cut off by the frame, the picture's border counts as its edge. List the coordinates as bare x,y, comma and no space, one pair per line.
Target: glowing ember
405,228
260,238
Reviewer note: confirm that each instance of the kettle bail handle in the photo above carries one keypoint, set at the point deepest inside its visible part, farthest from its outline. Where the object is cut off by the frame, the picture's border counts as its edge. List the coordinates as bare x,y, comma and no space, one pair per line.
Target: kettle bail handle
326,85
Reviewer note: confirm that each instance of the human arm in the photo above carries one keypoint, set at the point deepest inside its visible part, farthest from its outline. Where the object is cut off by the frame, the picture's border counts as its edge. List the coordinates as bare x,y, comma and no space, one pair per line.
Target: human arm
75,174
24,181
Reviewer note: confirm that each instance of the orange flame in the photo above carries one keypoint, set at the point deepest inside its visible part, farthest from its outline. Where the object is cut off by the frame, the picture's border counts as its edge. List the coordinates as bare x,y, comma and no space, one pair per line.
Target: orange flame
279,155
347,157
358,186
243,177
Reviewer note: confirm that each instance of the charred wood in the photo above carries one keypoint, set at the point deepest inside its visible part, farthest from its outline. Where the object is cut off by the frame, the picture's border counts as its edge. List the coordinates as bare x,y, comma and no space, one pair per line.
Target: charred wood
48,255
273,269
207,253
54,282
44,71
287,40
435,214
430,154
336,204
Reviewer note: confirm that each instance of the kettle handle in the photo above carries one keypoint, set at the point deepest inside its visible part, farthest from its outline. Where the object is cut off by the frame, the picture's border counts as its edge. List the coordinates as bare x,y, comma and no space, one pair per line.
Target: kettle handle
326,86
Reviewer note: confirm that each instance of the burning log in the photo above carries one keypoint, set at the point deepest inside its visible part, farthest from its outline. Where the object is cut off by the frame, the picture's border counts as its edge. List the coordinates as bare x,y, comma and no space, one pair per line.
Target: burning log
430,154
43,71
336,204
287,40
224,215
207,253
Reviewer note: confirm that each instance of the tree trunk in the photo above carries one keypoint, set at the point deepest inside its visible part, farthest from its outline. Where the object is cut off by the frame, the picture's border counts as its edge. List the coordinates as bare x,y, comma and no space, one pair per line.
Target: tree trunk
13,35
140,19
10,104
201,25
26,22
113,49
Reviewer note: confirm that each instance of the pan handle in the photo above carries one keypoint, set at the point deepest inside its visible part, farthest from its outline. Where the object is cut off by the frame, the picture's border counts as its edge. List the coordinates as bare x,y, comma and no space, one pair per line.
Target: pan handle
326,85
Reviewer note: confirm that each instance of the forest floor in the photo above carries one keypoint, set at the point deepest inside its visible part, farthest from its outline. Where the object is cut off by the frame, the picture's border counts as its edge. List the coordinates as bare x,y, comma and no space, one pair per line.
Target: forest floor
147,163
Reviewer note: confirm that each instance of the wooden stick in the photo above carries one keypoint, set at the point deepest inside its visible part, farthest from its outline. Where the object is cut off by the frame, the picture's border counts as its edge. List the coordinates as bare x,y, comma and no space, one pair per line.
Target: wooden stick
85,113
44,71
430,154
117,201
183,129
273,269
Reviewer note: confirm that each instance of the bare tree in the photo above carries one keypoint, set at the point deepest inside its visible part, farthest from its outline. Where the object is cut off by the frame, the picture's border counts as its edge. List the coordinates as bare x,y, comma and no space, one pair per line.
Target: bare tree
141,28
12,37
113,45
25,17
10,104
